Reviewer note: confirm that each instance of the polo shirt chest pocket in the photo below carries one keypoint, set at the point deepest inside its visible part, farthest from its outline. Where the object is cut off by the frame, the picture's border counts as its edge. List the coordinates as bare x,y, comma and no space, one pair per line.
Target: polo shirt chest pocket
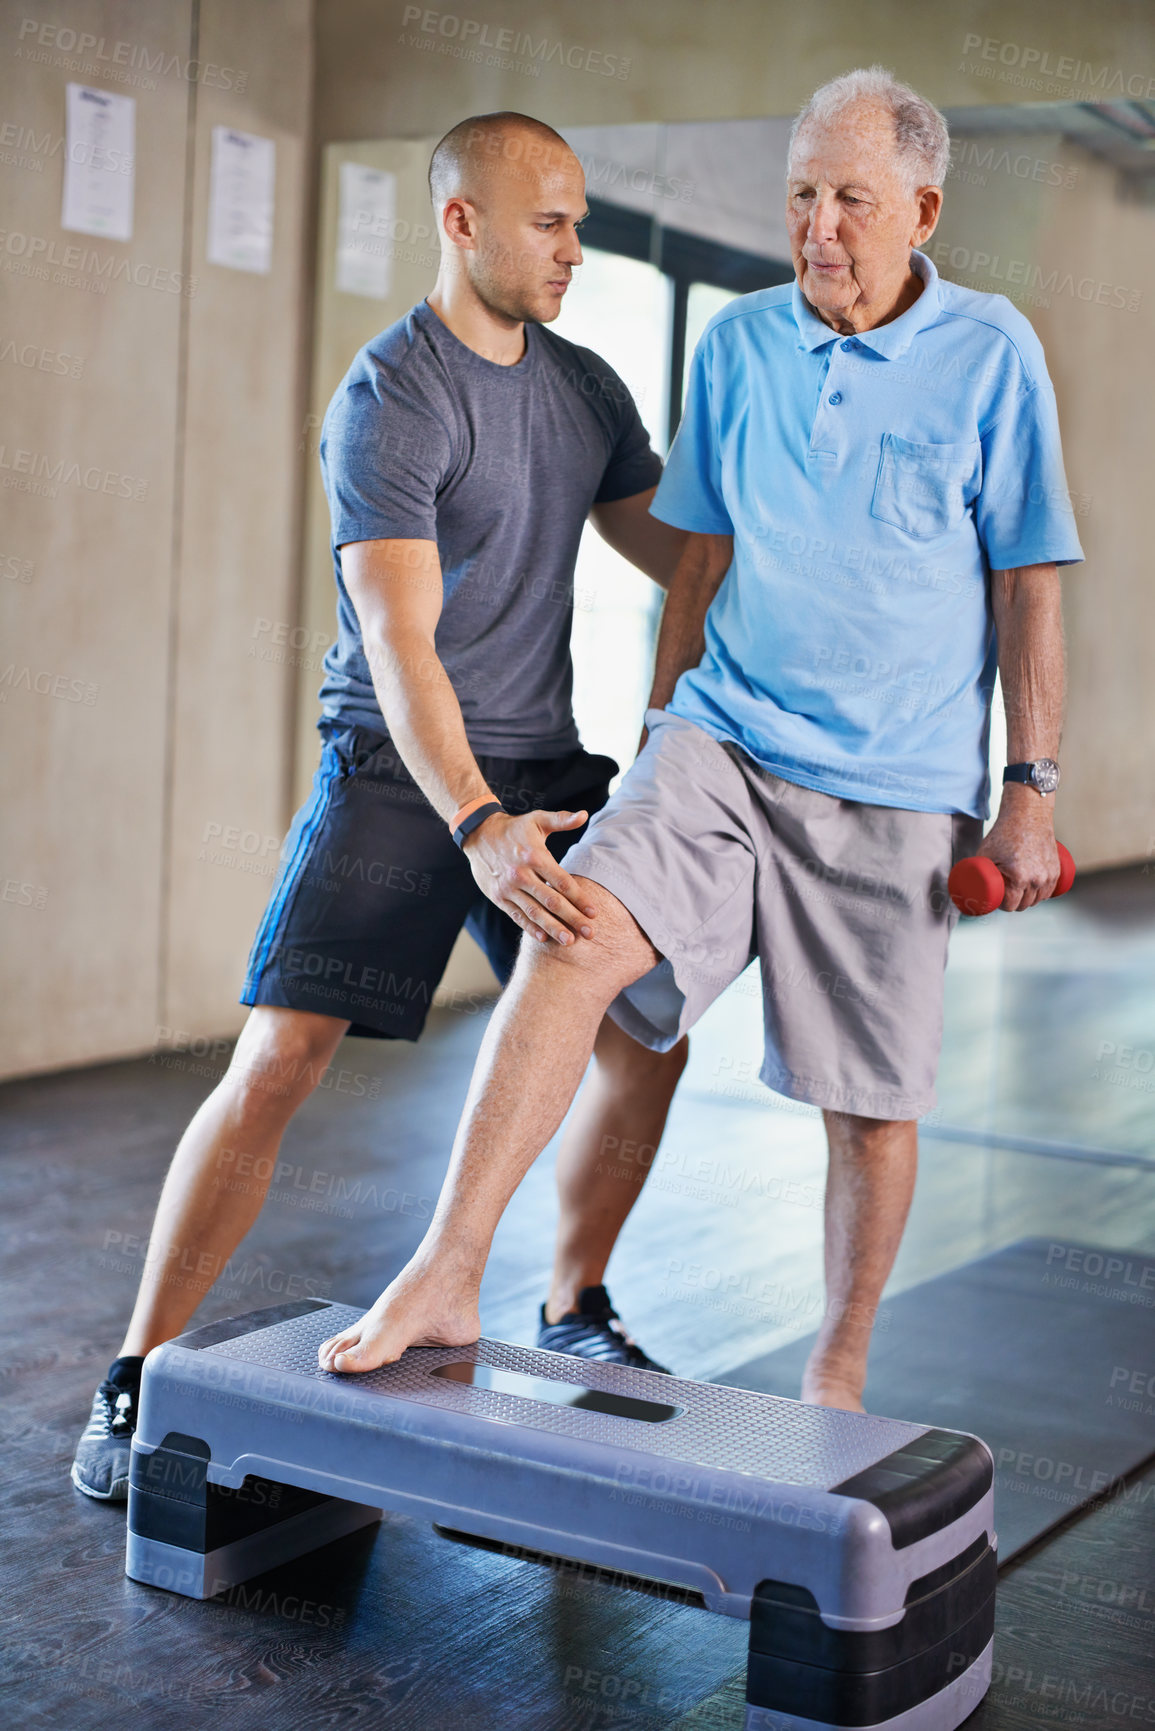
925,489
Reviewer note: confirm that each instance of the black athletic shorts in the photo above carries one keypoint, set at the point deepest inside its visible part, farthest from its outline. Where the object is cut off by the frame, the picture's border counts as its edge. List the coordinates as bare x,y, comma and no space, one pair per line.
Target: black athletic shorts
372,890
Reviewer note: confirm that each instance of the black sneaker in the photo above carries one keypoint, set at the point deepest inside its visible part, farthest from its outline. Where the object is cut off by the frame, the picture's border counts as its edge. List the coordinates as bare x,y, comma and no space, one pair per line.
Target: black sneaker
594,1331
102,1455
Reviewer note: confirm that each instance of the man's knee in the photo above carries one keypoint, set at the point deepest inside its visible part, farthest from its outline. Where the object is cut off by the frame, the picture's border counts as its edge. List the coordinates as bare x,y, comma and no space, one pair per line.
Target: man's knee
853,1133
617,953
282,1056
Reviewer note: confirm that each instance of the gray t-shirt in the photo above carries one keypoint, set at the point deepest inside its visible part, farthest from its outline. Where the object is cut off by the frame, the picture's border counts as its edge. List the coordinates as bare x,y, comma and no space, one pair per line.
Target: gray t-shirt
426,440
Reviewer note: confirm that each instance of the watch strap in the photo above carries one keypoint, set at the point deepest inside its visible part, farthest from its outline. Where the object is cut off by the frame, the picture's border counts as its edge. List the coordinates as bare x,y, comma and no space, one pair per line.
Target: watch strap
1042,774
476,815
463,811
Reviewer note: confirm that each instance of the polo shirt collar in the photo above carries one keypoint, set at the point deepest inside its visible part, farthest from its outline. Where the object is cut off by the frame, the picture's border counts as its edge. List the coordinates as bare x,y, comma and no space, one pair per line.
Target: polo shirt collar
890,340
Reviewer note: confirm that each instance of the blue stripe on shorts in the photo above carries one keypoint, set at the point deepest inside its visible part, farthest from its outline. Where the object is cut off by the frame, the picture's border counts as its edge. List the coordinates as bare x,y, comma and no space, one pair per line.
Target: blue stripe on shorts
310,818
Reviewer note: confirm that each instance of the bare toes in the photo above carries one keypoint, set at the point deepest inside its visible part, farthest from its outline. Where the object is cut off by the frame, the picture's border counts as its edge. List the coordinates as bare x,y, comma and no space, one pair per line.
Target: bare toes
355,1357
332,1348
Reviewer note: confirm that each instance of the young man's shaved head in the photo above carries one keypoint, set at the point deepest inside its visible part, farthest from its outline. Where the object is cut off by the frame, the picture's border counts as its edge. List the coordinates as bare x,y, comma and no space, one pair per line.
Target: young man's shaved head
508,194
468,154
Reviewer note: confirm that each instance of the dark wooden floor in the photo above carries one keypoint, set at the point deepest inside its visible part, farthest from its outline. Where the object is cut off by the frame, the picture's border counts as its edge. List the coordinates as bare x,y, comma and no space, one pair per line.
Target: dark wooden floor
719,1262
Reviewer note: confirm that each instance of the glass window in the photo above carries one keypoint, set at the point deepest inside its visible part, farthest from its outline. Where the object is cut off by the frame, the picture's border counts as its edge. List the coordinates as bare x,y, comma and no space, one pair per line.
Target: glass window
703,301
620,308
998,751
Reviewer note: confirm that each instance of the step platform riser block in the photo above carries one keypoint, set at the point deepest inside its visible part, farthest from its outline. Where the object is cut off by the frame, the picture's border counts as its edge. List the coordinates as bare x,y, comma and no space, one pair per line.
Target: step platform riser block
861,1548
938,1712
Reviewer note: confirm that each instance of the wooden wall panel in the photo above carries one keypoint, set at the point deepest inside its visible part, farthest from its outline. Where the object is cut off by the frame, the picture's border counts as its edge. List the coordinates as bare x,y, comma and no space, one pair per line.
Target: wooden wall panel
236,596
84,663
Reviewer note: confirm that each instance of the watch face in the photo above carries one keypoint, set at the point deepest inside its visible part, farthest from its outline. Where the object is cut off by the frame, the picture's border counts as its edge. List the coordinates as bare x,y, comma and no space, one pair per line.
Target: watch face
1045,774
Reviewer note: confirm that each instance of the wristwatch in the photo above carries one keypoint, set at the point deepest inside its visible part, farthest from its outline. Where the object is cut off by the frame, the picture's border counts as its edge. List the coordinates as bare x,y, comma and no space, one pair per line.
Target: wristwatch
1042,775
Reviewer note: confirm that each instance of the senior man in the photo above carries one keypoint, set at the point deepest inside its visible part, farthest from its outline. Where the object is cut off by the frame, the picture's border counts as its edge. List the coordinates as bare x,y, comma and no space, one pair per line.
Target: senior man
870,471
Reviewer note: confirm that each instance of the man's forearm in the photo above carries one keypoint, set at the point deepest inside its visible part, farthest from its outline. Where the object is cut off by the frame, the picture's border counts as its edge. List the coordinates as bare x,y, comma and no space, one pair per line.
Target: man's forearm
1029,621
630,528
681,640
424,720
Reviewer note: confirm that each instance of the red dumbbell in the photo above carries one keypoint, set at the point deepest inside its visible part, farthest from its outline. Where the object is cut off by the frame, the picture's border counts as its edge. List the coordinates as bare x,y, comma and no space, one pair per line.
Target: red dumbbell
976,885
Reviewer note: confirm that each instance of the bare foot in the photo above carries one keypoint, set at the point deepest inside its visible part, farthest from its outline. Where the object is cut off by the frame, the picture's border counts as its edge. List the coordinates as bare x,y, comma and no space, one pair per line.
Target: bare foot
422,1307
828,1393
826,1384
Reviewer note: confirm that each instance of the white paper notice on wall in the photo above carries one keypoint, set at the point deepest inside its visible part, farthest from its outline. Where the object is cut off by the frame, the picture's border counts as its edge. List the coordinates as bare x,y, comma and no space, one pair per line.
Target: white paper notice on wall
99,162
366,230
241,185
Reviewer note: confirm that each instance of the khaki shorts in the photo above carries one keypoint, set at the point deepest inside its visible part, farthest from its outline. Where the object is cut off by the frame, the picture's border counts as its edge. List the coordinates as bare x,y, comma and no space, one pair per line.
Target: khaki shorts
845,904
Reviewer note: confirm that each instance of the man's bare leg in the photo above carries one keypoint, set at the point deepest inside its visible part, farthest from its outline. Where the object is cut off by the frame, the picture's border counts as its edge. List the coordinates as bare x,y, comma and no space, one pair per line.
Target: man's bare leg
279,1059
869,1185
606,1155
532,1059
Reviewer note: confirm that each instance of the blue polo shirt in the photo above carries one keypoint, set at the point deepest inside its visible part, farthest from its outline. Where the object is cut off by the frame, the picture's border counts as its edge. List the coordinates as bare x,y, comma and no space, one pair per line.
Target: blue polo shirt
871,483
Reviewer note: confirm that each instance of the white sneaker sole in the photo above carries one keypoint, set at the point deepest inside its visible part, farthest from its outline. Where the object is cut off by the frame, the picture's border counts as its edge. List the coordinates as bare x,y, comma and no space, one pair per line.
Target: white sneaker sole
117,1494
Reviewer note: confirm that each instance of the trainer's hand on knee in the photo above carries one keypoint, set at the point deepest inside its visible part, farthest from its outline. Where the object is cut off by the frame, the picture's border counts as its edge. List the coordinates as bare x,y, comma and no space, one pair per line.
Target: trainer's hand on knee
515,869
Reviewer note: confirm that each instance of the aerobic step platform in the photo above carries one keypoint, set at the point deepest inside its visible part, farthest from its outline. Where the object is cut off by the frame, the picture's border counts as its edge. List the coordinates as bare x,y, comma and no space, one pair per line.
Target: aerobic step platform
862,1549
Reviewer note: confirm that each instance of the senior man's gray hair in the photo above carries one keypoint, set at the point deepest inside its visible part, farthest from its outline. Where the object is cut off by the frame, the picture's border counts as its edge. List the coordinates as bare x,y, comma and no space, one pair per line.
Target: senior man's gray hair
921,138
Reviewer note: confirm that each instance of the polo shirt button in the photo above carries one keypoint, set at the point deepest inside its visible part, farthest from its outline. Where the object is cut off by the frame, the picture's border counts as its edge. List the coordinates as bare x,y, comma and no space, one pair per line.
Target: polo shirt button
834,399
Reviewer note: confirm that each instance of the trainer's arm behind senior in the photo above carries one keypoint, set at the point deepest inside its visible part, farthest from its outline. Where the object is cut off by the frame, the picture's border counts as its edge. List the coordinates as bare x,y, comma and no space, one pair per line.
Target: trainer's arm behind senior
649,544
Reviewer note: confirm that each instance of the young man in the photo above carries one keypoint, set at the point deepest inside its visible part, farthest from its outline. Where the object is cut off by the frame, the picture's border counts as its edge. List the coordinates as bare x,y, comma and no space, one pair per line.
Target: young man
462,455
